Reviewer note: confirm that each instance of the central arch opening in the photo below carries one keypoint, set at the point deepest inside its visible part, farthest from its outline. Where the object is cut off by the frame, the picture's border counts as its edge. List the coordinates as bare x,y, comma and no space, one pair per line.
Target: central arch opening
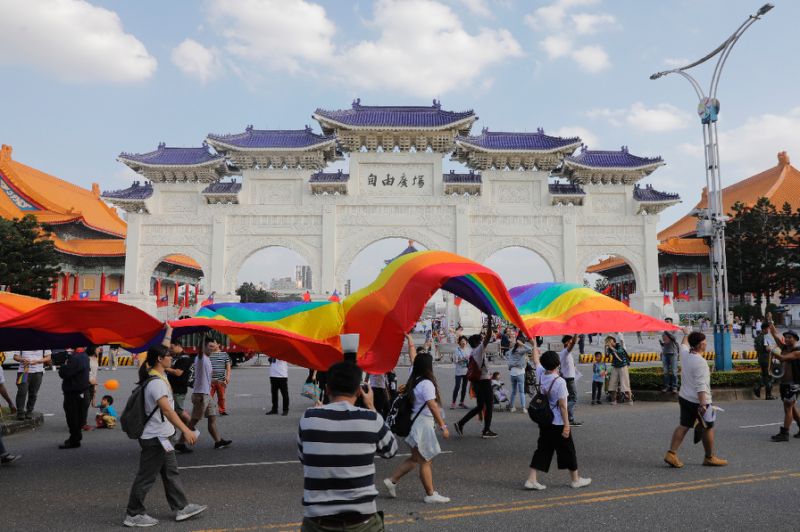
519,265
274,273
369,262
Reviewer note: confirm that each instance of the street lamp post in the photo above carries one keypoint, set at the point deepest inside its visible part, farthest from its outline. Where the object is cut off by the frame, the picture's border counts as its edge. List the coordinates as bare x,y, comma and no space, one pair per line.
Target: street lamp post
711,221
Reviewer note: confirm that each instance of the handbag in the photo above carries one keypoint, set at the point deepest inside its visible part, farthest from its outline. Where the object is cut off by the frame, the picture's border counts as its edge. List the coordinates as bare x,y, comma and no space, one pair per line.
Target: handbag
311,391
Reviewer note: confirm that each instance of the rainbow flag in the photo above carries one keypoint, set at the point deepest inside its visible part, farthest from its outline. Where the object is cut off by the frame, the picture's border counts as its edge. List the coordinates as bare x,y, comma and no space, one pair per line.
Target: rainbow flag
564,308
31,323
307,333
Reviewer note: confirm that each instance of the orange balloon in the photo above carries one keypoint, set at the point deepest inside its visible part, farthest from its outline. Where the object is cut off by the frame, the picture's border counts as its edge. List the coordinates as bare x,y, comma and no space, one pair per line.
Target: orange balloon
111,384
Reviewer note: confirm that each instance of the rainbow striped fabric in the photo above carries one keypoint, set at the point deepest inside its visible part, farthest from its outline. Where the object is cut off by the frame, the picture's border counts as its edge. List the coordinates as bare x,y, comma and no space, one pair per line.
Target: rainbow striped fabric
564,308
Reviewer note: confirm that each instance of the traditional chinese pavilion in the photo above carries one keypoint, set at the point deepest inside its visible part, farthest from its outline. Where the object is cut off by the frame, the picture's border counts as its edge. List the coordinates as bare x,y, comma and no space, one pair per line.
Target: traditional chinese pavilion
88,234
683,257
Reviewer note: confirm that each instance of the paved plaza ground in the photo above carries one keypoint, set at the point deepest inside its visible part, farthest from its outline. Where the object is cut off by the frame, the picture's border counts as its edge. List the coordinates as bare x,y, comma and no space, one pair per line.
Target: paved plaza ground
256,484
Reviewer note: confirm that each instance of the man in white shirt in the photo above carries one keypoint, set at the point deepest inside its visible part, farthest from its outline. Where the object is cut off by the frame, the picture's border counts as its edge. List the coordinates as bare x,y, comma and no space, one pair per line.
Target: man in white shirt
29,379
279,382
568,372
694,399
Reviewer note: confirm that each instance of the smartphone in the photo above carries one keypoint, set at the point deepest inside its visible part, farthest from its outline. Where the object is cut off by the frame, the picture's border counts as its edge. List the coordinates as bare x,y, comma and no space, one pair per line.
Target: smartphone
365,387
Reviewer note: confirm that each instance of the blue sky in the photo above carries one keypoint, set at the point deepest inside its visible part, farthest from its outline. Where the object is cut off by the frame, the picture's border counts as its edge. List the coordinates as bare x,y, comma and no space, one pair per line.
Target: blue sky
83,81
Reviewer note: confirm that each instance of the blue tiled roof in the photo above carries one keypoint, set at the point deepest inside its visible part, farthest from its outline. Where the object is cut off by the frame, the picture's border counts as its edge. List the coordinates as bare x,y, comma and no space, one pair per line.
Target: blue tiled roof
650,194
409,249
272,138
173,156
612,159
565,189
137,191
223,187
471,177
512,141
329,177
401,117
791,300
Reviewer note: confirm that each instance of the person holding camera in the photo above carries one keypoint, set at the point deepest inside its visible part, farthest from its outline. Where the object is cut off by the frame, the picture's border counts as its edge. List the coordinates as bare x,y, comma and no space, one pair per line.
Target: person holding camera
790,381
694,399
74,372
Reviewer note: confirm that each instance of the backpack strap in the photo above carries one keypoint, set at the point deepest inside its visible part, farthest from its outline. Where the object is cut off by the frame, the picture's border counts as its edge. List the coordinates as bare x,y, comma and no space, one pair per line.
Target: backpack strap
144,387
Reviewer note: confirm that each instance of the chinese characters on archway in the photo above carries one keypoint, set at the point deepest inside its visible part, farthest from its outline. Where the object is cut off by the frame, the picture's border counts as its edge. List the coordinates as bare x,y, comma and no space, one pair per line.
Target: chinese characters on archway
399,182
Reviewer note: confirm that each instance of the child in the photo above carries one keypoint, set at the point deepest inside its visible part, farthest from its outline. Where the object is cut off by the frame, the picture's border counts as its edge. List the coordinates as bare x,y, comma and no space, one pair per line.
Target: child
599,371
498,389
107,417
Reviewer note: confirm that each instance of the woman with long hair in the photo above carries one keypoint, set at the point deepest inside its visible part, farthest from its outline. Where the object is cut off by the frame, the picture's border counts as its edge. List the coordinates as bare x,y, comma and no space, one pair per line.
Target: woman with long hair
517,359
158,455
619,371
460,361
427,408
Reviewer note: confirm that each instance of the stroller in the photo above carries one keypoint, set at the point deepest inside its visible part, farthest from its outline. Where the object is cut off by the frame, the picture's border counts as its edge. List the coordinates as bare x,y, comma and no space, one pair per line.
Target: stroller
499,391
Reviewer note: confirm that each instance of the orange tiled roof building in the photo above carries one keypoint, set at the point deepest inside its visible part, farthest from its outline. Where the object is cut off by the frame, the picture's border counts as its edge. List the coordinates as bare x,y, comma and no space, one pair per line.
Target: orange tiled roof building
683,258
88,234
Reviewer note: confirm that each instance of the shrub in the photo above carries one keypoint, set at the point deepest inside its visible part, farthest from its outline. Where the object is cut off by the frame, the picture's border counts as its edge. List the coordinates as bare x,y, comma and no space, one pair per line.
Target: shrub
652,378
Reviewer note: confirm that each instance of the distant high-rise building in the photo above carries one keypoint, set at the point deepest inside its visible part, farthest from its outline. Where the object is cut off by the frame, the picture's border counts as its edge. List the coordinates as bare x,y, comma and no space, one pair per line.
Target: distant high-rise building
283,283
302,275
347,288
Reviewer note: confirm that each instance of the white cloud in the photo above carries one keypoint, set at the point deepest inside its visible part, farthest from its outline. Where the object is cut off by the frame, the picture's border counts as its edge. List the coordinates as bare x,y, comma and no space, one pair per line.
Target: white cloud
196,61
660,118
591,58
277,33
552,17
73,41
589,139
478,7
675,62
556,46
441,56
752,147
421,46
589,23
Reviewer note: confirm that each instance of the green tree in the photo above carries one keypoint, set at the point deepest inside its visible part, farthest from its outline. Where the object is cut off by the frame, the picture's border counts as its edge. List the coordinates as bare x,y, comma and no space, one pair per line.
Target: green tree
29,263
250,293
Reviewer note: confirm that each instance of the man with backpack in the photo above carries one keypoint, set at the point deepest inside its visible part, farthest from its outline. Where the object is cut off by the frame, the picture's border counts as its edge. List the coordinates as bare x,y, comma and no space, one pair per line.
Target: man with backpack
669,359
478,375
790,381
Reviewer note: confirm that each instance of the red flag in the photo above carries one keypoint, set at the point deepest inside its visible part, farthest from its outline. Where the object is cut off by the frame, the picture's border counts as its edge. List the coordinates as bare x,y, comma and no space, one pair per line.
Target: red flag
209,300
457,301
605,291
306,297
334,296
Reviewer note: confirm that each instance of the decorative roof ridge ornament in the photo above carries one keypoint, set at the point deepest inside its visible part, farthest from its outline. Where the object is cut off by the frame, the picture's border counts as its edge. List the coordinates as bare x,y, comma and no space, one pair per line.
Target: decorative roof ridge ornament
5,152
161,145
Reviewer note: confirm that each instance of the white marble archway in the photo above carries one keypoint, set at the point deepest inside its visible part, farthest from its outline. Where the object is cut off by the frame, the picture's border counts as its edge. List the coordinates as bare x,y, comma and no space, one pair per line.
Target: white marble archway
237,256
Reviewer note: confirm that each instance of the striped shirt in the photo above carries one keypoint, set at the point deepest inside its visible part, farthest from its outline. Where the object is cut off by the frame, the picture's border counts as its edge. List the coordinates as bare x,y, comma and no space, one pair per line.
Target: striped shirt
219,361
337,444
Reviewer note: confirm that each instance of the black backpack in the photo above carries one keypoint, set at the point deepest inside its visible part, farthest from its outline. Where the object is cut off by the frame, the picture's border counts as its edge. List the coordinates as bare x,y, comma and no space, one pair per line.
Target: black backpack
134,418
539,407
399,419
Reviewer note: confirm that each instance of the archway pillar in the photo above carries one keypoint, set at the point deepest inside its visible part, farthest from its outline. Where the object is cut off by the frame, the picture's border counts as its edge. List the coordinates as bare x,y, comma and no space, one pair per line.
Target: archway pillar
217,274
648,298
133,242
569,250
462,230
328,250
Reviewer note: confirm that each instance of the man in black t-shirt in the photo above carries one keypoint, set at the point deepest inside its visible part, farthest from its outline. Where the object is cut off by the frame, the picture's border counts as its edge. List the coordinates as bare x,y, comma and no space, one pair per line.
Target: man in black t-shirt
178,376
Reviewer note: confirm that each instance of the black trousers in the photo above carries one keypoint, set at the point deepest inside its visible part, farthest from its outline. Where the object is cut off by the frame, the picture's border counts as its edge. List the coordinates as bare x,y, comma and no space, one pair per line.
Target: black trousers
381,400
551,441
155,460
483,394
597,390
281,384
76,405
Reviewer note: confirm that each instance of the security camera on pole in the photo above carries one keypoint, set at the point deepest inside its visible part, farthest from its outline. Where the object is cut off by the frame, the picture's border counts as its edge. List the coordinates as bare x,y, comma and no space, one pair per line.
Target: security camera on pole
711,221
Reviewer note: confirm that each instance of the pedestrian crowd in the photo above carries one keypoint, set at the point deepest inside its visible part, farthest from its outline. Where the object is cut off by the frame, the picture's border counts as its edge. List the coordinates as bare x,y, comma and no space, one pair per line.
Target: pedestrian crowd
357,416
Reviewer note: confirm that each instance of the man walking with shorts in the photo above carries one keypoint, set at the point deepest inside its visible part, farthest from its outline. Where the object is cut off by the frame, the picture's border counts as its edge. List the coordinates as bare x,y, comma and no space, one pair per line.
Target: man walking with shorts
790,382
694,399
202,403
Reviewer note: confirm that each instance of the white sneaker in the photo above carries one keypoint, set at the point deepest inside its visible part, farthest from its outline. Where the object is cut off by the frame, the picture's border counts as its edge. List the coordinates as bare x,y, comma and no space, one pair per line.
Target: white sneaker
391,487
139,520
190,511
581,483
512,410
436,498
534,486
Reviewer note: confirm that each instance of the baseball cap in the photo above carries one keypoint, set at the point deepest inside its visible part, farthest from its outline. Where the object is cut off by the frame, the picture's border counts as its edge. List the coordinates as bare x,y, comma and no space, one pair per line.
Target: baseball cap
792,333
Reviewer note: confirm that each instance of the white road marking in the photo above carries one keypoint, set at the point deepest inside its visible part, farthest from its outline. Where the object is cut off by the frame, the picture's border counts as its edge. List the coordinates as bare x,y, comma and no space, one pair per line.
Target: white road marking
754,426
282,462
48,415
245,395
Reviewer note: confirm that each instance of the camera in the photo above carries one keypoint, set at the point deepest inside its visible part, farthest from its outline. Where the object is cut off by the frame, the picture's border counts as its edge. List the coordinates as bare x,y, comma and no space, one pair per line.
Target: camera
59,358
